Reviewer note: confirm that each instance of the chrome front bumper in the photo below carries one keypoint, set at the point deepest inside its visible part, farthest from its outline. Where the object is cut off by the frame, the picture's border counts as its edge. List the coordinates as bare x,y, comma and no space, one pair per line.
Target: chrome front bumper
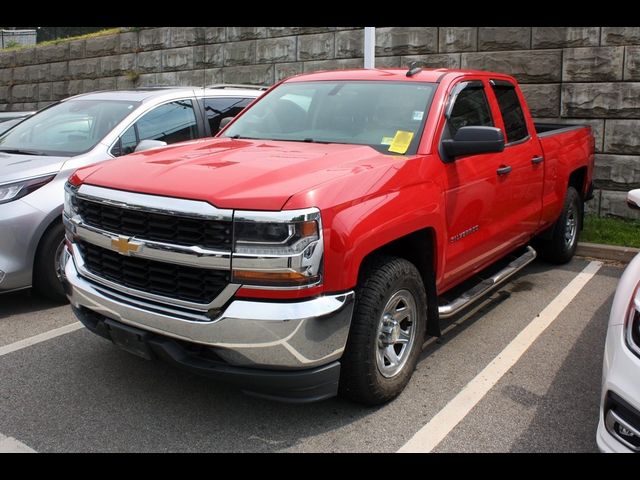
257,334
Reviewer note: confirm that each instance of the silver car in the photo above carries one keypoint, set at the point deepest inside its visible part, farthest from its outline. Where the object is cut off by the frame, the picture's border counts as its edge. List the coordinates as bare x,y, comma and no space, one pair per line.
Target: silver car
9,119
38,155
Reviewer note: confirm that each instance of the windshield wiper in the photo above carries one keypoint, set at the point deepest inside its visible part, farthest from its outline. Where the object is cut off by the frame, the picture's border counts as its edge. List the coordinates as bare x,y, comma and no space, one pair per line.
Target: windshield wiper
308,140
20,152
238,136
305,140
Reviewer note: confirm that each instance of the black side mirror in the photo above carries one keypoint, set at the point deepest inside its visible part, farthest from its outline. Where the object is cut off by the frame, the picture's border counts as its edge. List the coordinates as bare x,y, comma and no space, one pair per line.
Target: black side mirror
473,141
224,122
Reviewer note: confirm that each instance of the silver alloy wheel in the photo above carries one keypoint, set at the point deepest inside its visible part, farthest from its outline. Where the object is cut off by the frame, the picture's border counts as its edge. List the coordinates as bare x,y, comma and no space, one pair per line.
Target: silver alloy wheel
571,227
396,333
57,265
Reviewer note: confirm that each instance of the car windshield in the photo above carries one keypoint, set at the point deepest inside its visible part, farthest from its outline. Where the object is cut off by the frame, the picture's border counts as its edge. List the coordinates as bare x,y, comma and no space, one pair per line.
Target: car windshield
387,116
67,128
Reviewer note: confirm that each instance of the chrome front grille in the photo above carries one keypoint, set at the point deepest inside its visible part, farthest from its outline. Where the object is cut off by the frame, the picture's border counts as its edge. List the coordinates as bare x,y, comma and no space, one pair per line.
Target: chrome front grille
164,250
199,285
176,230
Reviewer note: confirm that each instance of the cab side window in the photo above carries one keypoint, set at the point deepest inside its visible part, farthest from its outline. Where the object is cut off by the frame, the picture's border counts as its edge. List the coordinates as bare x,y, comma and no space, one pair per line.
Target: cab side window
470,108
219,108
511,110
172,122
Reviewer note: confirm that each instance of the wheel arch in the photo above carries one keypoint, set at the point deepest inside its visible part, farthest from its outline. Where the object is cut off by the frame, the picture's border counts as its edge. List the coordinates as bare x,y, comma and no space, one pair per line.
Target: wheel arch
578,180
419,248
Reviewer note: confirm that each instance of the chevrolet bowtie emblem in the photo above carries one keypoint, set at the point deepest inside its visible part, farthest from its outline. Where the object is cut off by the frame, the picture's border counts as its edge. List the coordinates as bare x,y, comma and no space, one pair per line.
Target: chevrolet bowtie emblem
124,245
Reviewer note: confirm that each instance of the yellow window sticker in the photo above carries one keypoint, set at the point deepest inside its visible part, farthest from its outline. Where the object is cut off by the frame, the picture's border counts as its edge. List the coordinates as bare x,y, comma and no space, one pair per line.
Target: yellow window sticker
401,142
386,140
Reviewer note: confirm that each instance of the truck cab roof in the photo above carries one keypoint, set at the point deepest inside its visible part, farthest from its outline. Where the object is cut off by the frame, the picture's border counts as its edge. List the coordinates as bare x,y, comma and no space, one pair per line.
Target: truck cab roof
433,75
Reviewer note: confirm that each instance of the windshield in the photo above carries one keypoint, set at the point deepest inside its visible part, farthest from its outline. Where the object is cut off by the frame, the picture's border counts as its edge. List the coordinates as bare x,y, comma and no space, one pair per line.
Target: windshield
66,129
387,116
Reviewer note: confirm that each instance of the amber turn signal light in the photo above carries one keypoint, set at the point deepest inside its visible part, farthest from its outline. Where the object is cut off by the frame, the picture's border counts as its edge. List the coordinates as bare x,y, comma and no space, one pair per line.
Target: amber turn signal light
253,277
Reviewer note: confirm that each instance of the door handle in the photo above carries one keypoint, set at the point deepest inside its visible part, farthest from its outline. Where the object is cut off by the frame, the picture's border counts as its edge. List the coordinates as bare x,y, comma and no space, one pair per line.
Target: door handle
537,160
504,170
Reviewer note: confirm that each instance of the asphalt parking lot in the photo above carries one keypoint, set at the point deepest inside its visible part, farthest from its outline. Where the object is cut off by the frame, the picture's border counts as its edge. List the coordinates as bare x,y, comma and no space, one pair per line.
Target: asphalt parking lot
76,392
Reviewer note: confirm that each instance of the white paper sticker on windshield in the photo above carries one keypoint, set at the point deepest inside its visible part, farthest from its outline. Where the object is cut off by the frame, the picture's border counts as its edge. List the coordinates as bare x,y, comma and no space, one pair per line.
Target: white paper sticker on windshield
417,115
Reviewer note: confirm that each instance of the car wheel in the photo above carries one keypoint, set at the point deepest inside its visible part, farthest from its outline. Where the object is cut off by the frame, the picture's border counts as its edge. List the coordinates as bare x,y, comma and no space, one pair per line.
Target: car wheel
47,269
387,332
563,243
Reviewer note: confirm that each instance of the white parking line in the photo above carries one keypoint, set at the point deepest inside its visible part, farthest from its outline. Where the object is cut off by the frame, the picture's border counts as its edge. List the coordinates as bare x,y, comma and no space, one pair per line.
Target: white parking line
27,342
429,436
11,445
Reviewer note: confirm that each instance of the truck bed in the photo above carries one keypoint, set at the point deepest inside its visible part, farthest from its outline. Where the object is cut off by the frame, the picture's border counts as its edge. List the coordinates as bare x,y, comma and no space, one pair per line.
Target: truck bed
567,148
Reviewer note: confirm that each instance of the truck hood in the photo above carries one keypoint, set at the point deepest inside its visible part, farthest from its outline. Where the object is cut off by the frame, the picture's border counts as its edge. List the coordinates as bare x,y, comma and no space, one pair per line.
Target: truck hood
233,173
16,167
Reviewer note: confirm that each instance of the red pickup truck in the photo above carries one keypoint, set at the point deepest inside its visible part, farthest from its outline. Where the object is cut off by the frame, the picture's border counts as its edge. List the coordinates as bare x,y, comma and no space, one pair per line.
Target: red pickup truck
309,249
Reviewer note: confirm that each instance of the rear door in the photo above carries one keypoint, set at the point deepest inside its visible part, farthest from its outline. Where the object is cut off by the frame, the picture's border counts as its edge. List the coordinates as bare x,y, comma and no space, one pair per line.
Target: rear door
523,155
217,108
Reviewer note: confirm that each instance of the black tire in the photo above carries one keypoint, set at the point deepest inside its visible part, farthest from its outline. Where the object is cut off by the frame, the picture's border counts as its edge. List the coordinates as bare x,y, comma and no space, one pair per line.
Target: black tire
361,379
45,279
559,249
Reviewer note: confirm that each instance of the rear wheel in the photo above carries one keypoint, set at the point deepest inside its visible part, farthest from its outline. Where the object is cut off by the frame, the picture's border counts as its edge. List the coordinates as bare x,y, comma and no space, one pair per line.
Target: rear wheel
563,243
387,332
47,268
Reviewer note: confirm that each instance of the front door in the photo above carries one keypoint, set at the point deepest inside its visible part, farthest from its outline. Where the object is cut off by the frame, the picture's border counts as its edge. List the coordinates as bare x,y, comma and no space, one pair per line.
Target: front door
476,194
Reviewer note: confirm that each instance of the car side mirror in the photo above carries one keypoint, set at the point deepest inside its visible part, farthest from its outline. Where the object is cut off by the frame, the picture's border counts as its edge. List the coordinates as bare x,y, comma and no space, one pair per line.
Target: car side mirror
224,122
473,141
633,199
149,144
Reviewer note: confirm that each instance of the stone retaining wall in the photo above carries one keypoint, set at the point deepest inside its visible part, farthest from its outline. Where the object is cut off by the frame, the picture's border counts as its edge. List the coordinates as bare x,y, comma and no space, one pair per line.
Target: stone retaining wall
568,74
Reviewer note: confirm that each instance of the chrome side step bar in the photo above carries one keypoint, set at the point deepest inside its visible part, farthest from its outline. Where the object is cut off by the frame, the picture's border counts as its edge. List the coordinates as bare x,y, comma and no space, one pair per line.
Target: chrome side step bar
471,296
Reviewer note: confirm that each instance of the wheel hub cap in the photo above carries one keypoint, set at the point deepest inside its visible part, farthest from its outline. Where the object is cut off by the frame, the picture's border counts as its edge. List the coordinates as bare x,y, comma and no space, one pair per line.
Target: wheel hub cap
571,229
396,333
390,332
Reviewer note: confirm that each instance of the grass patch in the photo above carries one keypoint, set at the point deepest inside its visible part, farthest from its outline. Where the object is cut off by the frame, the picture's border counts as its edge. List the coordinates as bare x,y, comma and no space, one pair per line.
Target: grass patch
611,231
107,31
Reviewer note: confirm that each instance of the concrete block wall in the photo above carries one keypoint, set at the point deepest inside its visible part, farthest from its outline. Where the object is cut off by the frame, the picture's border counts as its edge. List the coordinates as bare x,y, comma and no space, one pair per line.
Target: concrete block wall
587,75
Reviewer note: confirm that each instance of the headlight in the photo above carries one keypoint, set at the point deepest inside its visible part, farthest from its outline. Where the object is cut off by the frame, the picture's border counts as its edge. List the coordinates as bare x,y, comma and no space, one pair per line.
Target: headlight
275,238
278,249
13,191
632,323
70,206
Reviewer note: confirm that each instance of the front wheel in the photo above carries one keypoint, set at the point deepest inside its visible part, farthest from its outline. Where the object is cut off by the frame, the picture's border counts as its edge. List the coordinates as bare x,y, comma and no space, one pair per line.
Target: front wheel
47,269
387,332
563,243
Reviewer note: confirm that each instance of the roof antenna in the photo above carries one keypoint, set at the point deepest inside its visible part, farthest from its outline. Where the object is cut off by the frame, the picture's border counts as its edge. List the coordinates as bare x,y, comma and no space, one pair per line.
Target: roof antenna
415,67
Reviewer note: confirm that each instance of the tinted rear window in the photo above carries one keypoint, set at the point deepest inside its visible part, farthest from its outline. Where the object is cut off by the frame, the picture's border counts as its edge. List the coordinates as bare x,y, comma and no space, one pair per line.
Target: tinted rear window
514,122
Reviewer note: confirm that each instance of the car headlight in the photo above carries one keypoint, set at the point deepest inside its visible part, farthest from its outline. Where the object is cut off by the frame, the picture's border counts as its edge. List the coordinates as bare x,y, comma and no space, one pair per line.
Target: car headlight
277,249
70,205
632,322
15,190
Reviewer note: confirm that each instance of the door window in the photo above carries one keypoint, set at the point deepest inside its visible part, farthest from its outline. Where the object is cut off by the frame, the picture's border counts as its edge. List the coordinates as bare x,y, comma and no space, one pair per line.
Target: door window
219,108
471,108
172,122
511,110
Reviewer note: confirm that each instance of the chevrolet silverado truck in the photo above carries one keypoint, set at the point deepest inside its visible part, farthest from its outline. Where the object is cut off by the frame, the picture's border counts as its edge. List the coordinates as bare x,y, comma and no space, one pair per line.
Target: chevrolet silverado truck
310,248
